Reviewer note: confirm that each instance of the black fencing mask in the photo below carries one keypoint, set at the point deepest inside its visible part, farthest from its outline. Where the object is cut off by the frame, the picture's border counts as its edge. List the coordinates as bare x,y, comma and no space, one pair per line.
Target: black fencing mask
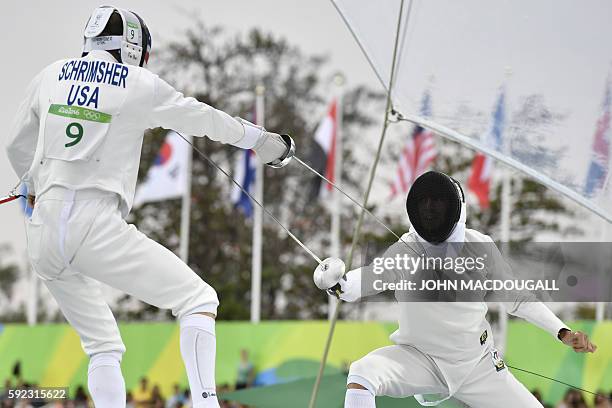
434,206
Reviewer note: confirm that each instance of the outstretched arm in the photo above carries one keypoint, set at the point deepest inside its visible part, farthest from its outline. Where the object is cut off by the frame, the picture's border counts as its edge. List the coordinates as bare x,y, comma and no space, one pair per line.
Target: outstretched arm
524,304
172,110
330,277
357,283
539,314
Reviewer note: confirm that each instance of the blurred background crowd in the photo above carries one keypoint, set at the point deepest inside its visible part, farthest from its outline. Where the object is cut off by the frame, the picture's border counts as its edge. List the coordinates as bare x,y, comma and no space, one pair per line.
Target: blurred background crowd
148,395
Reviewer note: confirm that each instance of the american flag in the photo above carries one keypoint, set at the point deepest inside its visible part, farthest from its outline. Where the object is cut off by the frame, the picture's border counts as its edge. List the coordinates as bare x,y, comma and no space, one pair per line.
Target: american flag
600,154
417,154
482,166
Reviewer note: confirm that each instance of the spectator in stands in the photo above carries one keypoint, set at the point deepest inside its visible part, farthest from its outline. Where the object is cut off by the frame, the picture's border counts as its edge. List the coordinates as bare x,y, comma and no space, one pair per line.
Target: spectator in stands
246,371
223,389
80,398
176,399
17,373
129,400
538,395
157,400
572,399
4,391
187,399
4,401
7,403
143,394
601,401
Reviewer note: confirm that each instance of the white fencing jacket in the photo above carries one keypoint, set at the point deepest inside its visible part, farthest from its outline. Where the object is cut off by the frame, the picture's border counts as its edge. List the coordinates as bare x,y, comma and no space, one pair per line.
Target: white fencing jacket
449,332
82,122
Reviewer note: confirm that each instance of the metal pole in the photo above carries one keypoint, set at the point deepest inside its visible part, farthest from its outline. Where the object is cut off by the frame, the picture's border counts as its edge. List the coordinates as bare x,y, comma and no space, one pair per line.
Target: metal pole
600,307
506,210
506,204
336,199
257,217
349,258
506,207
186,209
600,311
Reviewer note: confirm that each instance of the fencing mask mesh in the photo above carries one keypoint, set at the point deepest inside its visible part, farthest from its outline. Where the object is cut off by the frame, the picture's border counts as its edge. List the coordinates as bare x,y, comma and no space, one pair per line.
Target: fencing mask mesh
434,206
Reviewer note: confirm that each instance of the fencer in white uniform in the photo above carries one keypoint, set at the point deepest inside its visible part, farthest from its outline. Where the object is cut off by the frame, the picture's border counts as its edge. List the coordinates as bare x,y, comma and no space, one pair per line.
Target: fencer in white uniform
442,348
76,143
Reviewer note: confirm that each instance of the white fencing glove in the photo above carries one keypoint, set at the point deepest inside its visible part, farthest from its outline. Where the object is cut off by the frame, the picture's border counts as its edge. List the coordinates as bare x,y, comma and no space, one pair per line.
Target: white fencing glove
273,149
328,275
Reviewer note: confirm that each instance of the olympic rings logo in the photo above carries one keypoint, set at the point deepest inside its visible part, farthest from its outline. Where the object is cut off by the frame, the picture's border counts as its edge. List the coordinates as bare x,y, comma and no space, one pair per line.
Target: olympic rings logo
90,115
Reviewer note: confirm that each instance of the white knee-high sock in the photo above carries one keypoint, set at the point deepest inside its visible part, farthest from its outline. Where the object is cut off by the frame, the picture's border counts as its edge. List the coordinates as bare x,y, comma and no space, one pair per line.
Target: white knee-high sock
198,348
356,398
105,381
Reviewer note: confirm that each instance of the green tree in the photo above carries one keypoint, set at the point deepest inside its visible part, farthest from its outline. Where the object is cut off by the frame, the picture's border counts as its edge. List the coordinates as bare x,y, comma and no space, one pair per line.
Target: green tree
8,277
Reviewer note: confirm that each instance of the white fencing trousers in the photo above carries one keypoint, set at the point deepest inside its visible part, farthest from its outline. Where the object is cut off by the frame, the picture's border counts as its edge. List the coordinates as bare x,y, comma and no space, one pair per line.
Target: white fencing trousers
402,371
77,239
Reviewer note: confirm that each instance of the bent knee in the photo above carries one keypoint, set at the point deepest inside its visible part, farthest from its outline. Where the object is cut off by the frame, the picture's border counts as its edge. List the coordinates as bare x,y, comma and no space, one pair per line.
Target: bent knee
359,367
109,358
359,377
203,300
106,345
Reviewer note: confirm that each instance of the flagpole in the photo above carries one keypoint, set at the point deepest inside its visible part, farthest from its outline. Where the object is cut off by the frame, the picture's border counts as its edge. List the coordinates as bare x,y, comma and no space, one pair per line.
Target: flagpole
506,194
600,312
186,210
505,244
336,199
257,217
506,209
600,307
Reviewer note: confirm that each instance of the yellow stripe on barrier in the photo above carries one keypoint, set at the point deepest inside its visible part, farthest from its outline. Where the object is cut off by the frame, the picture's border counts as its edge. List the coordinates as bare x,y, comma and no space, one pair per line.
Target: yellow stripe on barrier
66,360
168,368
345,348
